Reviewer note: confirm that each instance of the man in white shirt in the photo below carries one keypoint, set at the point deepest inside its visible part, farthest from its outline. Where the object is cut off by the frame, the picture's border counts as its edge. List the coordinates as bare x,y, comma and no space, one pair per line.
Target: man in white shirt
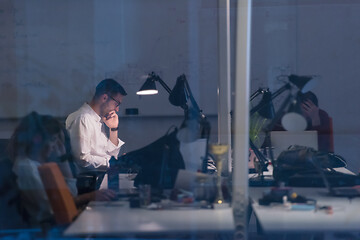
93,129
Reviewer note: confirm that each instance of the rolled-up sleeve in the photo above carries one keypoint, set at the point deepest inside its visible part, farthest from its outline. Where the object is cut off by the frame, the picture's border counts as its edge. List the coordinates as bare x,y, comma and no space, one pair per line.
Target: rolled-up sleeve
112,149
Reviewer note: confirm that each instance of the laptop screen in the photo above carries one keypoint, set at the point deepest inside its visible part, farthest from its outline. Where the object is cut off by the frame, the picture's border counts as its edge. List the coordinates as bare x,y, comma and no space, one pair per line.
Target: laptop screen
282,140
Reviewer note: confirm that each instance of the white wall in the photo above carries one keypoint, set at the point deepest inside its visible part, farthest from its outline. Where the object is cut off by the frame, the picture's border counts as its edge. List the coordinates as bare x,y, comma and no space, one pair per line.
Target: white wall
303,37
54,53
334,37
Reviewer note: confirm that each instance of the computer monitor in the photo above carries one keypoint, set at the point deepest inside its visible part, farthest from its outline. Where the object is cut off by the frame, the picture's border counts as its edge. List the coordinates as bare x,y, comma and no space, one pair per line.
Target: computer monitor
158,162
282,140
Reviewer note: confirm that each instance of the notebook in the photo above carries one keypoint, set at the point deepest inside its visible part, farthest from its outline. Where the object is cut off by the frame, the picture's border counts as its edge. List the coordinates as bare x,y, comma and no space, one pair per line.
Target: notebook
282,140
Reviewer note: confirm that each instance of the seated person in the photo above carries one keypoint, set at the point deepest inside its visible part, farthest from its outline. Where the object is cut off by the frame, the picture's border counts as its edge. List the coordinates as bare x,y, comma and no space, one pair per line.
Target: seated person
39,139
93,128
317,119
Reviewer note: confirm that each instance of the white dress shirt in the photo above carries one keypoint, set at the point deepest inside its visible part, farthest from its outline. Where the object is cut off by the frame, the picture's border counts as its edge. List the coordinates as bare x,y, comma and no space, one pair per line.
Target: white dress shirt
91,146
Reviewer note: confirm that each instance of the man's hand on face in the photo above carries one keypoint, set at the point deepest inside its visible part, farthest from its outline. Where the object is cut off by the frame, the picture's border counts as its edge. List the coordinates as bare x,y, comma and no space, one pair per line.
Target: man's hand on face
111,119
311,111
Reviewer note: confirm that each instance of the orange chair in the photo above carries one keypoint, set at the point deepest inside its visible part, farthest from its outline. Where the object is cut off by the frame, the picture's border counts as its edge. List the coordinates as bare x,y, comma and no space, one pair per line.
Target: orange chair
60,198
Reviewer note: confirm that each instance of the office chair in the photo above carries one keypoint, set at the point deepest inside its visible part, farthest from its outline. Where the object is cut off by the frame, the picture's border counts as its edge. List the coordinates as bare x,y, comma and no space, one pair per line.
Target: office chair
89,181
60,198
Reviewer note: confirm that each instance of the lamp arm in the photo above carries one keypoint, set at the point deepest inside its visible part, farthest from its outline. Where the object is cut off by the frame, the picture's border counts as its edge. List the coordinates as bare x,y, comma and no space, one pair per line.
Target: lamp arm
281,90
274,121
190,95
258,92
279,113
262,159
273,96
163,84
204,123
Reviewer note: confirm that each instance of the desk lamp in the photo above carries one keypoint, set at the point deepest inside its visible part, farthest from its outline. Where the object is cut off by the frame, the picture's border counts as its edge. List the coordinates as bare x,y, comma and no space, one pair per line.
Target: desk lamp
194,119
265,109
195,124
149,87
303,84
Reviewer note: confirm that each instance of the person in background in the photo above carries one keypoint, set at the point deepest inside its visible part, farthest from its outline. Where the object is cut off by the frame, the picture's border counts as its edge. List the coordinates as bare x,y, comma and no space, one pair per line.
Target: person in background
39,139
316,118
93,128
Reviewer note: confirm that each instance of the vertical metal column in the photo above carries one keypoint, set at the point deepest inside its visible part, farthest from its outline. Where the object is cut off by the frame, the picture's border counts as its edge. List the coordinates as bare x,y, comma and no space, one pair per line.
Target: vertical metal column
241,118
224,84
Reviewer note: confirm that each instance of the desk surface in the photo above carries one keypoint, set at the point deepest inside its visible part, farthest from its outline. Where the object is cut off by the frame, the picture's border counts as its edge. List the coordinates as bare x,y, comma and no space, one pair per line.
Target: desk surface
274,219
116,218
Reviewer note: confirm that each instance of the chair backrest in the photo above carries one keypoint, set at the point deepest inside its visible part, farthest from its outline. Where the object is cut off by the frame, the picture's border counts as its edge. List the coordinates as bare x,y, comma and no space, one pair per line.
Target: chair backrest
60,198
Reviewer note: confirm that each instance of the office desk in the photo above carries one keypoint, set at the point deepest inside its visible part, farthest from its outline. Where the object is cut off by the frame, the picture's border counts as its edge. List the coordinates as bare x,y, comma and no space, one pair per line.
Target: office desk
106,219
278,219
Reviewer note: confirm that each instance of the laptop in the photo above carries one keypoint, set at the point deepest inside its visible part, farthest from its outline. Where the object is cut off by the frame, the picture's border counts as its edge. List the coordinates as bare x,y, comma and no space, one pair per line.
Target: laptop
282,140
346,191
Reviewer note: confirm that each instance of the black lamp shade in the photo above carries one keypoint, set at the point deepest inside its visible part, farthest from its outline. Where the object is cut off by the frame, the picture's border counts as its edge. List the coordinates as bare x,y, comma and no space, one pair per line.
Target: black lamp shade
267,111
148,88
304,83
178,96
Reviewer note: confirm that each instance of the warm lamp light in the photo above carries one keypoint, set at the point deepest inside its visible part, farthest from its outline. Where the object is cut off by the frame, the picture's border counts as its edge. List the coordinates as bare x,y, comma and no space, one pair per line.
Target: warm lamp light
149,87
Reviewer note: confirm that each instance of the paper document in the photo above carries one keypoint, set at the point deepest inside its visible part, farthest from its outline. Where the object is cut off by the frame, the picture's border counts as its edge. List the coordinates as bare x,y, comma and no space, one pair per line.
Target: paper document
193,154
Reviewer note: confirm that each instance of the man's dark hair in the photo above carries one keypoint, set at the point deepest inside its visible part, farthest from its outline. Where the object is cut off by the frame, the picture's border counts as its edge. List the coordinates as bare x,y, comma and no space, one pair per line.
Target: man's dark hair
109,86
